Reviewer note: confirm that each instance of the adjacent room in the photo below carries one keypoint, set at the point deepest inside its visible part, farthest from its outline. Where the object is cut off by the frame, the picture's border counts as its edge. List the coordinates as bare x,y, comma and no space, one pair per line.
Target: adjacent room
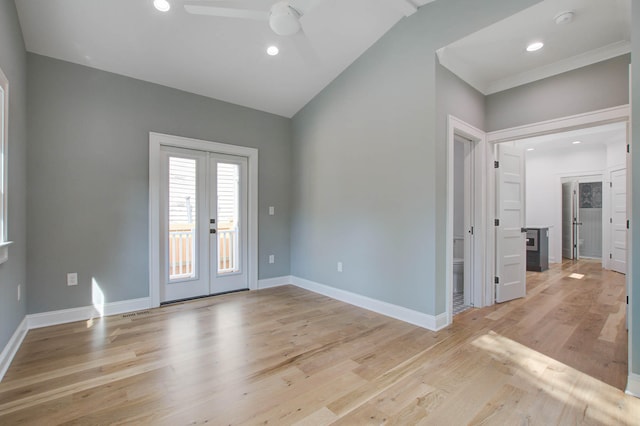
318,212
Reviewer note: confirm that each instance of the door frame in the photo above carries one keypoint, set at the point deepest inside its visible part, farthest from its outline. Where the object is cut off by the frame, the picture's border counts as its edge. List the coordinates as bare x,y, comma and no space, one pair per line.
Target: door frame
477,139
617,114
156,140
584,177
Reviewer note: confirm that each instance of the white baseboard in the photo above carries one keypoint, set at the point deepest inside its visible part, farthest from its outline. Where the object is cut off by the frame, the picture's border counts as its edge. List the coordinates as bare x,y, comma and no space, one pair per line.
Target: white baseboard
430,322
12,347
84,313
633,385
61,317
274,282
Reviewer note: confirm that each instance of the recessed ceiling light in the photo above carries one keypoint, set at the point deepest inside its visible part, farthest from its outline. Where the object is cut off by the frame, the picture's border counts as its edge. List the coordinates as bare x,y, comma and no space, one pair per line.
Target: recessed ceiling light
535,46
576,142
531,149
161,5
272,50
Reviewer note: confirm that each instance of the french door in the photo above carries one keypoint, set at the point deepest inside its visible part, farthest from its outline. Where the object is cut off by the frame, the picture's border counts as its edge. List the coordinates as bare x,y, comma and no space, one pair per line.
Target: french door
203,221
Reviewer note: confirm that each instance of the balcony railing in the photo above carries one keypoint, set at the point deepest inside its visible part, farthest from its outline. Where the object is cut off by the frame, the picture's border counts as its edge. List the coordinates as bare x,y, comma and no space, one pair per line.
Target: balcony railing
227,251
182,253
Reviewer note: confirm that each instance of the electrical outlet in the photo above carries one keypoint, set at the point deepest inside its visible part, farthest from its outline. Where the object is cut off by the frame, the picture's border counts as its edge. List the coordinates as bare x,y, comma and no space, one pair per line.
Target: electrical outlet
272,258
19,295
339,266
72,278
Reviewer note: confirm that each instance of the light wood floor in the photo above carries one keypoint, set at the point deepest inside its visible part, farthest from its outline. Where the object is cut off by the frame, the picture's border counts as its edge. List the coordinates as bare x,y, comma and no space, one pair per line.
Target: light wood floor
288,356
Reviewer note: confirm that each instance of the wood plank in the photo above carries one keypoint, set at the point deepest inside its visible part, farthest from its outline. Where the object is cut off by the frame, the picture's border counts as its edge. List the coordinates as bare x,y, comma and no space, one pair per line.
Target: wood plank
289,356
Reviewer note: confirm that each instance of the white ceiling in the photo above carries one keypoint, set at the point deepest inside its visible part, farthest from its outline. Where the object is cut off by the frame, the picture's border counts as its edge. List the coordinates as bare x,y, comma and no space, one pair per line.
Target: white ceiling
494,59
608,134
222,58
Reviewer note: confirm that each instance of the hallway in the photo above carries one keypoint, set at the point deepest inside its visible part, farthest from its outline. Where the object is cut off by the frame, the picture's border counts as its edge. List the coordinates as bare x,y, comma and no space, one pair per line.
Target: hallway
574,313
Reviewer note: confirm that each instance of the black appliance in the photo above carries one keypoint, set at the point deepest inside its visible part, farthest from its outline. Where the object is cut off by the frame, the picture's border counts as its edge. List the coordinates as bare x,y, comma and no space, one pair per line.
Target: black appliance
537,249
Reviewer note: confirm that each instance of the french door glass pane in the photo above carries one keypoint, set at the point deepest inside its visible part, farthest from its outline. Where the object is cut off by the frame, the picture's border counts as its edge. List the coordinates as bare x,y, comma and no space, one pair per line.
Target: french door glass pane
228,218
182,218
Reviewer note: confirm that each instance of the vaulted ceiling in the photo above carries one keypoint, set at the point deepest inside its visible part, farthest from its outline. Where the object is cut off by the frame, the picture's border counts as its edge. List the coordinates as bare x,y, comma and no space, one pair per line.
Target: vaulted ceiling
218,57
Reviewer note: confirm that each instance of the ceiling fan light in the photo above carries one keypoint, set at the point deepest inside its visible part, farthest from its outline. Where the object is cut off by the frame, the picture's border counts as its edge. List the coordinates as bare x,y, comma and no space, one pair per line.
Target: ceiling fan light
162,5
284,20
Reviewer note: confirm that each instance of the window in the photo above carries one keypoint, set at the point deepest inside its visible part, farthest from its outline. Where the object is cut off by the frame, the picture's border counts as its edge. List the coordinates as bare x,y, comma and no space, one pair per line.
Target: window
4,135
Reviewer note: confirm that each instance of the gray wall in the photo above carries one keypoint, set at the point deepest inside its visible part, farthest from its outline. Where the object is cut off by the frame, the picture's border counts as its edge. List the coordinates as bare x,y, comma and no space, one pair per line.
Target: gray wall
635,201
88,174
13,272
598,86
366,157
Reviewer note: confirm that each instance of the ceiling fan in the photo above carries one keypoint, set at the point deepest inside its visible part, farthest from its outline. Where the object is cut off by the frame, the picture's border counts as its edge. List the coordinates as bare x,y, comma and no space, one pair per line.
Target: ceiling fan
284,16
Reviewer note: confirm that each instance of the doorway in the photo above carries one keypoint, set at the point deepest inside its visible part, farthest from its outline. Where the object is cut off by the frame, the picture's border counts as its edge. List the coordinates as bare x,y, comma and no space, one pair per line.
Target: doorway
463,224
204,217
582,218
466,219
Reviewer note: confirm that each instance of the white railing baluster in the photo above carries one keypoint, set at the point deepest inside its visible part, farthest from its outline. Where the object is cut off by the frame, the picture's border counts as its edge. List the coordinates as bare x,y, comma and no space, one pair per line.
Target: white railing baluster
188,256
228,250
225,238
172,254
181,254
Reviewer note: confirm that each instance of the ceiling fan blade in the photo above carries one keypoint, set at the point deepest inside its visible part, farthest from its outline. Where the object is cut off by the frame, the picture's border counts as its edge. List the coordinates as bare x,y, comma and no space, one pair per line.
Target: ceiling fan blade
227,12
304,6
305,49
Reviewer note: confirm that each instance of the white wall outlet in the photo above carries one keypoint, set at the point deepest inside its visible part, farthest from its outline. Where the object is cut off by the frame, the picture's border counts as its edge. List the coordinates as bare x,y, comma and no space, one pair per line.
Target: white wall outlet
19,295
72,278
272,258
339,266
272,210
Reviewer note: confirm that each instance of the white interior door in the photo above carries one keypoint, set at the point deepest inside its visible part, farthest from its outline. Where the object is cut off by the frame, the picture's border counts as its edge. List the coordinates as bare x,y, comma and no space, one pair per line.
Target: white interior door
203,224
510,231
469,224
618,222
567,220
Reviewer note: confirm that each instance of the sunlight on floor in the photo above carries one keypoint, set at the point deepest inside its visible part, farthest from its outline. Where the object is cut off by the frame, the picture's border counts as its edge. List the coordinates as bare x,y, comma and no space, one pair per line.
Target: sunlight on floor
576,276
542,375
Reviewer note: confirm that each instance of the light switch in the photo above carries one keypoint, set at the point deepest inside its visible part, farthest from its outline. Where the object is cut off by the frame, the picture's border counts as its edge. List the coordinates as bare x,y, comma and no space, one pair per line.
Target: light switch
272,210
